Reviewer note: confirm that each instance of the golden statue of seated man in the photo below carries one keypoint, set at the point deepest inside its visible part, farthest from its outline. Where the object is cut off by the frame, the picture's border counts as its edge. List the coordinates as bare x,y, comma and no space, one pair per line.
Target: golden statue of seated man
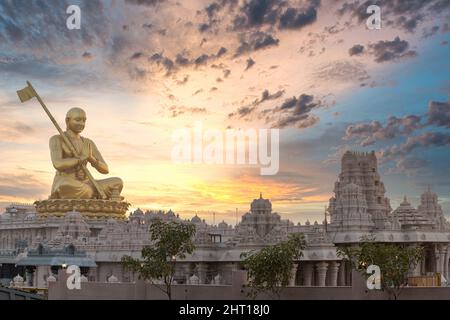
70,180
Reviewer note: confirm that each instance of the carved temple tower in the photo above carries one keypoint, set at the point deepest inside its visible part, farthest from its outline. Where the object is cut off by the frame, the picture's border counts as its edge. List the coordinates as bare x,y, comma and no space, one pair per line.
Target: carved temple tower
359,200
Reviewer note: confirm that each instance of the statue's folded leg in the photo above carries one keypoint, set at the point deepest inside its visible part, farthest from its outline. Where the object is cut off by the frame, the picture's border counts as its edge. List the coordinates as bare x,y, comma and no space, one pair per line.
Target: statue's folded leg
110,185
68,188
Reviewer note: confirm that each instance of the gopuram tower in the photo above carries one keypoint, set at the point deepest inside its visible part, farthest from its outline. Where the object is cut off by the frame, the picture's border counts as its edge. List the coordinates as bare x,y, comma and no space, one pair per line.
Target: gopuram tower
359,202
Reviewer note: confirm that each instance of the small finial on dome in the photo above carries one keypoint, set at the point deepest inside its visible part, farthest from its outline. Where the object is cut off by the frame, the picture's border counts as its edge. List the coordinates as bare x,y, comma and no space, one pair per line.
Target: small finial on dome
260,195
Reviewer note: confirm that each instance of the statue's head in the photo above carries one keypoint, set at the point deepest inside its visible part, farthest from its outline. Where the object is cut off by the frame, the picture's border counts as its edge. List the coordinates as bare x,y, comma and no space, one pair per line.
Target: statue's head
76,119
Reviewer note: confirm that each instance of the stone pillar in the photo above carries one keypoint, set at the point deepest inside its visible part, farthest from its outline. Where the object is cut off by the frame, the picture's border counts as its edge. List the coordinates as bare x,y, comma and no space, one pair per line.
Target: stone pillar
227,272
34,277
29,279
416,271
92,275
187,271
440,260
446,263
437,258
322,273
342,272
423,266
201,269
293,275
334,268
307,274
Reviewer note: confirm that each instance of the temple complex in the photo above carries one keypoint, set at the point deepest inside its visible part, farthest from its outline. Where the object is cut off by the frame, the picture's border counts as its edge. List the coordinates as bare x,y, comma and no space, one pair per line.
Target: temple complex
34,246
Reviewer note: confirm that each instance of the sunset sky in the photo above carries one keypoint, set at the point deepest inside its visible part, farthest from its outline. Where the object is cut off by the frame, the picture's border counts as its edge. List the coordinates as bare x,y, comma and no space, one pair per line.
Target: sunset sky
144,68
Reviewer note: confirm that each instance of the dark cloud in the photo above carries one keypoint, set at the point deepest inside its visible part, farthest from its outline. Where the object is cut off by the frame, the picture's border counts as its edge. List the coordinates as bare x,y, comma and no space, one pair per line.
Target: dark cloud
204,27
179,110
430,32
386,50
182,60
295,112
145,2
245,111
137,55
255,13
425,140
258,12
213,8
250,63
411,163
445,28
184,81
263,41
356,50
369,133
408,23
439,114
48,33
242,112
212,11
440,5
201,60
400,13
226,73
267,96
137,73
163,61
255,41
221,52
87,55
119,47
293,18
409,166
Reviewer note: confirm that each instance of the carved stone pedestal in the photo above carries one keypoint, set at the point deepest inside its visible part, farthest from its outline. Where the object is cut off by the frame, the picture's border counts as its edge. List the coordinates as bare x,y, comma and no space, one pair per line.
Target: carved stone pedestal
89,208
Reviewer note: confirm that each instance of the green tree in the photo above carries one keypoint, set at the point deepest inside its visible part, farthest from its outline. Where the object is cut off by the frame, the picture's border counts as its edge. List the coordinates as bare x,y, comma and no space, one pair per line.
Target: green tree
270,269
171,241
394,261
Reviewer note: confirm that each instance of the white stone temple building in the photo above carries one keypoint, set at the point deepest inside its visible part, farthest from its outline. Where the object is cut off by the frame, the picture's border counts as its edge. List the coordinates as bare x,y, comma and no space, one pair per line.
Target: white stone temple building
33,248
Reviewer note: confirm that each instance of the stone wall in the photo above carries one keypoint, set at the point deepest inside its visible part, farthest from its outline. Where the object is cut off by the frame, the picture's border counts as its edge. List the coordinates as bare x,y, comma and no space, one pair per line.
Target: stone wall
237,291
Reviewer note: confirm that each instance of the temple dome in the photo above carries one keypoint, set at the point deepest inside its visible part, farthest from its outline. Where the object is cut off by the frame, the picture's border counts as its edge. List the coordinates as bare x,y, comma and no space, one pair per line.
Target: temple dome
261,206
223,225
410,217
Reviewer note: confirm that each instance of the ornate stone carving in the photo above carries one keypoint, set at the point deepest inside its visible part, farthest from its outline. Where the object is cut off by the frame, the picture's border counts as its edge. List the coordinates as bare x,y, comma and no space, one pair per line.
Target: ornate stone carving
89,208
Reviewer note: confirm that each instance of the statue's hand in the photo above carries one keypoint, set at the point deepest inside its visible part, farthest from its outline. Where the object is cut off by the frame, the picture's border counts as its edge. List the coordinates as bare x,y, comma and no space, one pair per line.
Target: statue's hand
87,157
92,160
82,160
